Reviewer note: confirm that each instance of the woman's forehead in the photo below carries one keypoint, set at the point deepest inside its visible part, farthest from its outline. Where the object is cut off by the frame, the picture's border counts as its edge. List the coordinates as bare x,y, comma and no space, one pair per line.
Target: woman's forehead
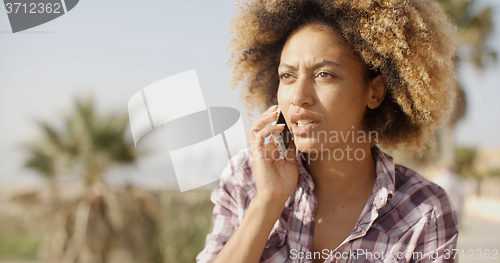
315,44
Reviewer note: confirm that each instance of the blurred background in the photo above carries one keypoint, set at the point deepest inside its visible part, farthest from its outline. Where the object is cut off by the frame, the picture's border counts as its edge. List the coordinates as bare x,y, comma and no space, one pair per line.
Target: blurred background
72,186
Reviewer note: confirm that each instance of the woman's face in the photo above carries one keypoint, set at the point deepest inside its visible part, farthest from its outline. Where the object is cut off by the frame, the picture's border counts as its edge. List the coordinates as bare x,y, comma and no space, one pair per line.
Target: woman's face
322,91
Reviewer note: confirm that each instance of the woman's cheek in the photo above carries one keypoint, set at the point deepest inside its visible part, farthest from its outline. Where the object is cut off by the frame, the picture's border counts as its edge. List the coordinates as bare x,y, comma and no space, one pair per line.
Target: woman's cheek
283,100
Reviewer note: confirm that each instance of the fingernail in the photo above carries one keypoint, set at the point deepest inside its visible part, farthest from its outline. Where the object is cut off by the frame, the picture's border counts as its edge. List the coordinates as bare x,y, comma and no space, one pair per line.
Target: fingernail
272,107
271,112
280,125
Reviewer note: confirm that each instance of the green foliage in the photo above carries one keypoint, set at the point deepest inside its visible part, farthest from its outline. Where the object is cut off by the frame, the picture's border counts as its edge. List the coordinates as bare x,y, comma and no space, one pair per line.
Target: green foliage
172,230
19,247
186,220
41,162
465,157
475,26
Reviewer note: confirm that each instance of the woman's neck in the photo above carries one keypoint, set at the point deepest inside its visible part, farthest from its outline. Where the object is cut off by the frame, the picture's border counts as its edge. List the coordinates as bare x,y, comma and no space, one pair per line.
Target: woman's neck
338,177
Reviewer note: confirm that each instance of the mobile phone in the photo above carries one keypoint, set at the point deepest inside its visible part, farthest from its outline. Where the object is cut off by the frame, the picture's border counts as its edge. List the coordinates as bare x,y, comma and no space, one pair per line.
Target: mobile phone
283,140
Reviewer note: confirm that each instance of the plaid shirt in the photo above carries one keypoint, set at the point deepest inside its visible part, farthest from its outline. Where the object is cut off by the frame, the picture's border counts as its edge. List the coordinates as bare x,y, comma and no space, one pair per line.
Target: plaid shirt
406,219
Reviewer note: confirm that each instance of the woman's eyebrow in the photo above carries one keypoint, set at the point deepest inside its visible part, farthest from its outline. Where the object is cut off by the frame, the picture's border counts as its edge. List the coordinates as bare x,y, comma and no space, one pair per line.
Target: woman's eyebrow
317,65
326,62
286,66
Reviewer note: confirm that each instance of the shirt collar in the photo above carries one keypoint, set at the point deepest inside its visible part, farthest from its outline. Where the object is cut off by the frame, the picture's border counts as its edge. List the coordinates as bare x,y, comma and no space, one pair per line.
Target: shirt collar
303,173
384,184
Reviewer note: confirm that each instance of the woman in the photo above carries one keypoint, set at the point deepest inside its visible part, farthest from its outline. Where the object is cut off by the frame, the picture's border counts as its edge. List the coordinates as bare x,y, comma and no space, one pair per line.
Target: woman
347,75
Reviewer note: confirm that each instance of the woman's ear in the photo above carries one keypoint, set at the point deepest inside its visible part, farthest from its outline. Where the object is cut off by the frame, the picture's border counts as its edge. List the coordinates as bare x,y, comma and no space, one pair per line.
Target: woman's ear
376,92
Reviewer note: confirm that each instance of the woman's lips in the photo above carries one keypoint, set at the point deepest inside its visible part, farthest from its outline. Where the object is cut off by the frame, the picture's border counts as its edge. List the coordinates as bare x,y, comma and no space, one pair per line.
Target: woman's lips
304,129
302,123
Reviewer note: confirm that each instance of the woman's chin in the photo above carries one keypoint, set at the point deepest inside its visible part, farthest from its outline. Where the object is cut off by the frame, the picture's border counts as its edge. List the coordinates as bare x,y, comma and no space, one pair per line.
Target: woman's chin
307,146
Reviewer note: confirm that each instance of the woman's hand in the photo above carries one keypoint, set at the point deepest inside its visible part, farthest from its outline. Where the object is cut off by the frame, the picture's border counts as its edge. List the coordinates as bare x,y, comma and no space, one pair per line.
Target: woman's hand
276,178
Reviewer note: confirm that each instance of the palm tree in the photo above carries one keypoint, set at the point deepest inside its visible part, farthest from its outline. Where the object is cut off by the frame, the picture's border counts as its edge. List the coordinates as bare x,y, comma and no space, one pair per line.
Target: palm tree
475,26
86,229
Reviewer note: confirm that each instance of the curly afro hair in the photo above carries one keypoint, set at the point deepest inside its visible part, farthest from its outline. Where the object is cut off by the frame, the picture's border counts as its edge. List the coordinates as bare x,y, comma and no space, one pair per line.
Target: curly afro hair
411,42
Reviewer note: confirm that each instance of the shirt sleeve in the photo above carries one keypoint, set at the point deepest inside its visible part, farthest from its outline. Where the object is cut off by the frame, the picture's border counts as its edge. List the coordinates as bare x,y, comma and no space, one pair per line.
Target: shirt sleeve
229,198
441,233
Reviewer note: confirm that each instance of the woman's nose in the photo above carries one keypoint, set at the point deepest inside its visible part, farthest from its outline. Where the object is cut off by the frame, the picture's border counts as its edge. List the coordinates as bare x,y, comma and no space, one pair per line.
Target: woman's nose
302,92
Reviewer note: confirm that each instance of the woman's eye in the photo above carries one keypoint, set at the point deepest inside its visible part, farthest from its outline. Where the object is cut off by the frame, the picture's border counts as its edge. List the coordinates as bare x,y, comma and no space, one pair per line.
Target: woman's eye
285,76
325,75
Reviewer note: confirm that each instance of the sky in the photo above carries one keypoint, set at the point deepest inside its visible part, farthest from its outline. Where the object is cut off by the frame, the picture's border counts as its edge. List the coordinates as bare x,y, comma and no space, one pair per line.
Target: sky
113,49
